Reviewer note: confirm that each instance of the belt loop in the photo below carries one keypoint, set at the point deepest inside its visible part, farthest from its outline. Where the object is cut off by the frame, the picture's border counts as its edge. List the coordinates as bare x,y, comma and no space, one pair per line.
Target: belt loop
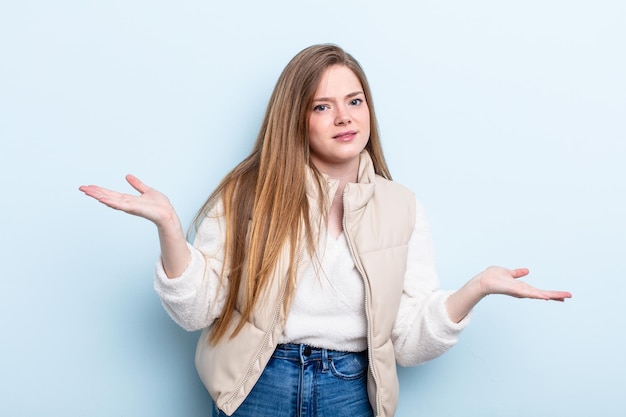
324,360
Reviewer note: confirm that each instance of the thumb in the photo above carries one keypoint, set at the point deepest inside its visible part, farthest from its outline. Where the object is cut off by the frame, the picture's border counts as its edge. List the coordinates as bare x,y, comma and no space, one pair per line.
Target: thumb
136,184
519,272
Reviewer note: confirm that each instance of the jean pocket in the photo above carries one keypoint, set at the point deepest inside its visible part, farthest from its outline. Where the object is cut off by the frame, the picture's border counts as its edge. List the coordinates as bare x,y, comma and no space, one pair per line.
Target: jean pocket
351,366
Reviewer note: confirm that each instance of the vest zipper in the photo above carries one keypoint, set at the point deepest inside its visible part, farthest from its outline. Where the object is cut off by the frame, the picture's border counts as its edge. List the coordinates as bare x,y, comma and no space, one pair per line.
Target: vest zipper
357,262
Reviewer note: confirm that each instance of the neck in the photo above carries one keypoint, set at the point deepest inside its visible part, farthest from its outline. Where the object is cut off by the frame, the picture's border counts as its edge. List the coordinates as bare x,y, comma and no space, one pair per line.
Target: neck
345,173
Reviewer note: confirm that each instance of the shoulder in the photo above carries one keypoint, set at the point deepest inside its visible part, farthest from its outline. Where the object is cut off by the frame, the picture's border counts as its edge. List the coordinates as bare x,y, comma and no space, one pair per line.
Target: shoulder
210,223
395,202
395,190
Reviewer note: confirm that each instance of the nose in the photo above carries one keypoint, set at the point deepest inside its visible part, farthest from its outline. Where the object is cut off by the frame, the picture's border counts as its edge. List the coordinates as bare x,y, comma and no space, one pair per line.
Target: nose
342,116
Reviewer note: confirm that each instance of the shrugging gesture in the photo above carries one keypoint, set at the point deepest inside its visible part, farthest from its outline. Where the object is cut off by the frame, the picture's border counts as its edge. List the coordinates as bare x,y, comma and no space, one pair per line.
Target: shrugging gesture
156,207
318,157
496,280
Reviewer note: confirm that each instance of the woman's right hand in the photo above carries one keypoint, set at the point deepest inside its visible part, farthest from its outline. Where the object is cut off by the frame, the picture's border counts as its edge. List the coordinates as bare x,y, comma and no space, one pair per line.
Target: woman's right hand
149,204
156,207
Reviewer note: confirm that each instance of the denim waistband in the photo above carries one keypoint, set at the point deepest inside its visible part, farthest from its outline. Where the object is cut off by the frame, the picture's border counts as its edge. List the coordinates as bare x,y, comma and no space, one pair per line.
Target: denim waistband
304,353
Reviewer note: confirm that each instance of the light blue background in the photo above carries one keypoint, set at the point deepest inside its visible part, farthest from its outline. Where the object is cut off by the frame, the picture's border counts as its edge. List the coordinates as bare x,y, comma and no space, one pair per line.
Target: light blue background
507,118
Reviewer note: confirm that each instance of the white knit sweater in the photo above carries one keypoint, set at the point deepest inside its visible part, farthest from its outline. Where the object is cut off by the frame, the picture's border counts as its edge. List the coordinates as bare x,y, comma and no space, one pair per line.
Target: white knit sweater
328,308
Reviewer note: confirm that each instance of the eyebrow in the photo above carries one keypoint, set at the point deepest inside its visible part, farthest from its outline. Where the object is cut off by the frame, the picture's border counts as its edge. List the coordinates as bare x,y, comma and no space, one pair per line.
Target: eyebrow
354,94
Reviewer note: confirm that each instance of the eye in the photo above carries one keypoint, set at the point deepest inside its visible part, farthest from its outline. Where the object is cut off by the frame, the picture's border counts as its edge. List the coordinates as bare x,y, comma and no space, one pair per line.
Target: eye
356,101
320,107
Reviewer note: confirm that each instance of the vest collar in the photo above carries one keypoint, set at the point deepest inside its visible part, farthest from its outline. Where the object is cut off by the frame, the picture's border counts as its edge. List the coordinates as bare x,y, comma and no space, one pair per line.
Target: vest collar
358,194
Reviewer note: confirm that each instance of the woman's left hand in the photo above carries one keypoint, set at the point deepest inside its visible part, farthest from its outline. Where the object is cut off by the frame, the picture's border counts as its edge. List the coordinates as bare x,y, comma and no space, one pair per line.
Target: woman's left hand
498,280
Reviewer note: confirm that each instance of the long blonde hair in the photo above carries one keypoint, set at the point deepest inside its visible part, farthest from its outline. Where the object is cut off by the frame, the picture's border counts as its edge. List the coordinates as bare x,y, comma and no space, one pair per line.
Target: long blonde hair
264,197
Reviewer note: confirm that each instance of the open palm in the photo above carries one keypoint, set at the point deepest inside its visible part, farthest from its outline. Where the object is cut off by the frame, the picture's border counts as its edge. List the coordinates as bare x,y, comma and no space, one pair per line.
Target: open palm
149,204
497,280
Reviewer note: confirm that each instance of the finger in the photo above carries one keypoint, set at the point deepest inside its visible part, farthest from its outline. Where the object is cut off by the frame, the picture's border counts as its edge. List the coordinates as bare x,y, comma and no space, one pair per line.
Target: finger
519,272
96,192
136,184
549,295
558,295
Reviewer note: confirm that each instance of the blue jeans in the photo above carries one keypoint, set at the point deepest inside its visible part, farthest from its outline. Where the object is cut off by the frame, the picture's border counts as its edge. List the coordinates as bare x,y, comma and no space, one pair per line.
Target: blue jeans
301,381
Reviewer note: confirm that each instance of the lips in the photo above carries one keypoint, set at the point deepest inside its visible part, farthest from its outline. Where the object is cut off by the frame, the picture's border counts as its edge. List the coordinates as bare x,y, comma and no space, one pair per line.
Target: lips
343,136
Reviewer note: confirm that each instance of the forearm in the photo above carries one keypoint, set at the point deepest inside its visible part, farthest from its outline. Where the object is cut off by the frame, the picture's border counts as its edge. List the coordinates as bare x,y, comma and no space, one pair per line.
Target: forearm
460,303
175,253
192,290
423,330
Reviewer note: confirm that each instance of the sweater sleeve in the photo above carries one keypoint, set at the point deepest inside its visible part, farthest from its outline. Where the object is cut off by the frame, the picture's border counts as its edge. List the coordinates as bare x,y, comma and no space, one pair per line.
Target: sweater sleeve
423,330
196,298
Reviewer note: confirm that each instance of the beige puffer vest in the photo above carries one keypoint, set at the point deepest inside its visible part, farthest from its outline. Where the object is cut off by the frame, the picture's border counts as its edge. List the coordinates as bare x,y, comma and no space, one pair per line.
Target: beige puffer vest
379,216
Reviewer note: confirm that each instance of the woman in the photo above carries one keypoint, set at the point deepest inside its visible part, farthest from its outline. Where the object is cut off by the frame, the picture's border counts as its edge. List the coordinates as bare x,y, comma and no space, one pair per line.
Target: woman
311,272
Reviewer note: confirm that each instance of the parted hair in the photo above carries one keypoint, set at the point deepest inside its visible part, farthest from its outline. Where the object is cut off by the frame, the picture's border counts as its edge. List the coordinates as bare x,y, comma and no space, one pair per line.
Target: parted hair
263,197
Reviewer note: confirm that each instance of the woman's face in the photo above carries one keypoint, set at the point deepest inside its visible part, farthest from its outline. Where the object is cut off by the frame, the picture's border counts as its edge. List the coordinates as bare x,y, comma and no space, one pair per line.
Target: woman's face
339,121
